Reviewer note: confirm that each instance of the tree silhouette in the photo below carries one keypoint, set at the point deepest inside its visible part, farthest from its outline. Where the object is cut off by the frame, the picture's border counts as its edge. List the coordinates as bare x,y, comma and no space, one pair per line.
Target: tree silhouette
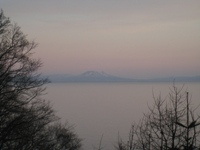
171,124
25,118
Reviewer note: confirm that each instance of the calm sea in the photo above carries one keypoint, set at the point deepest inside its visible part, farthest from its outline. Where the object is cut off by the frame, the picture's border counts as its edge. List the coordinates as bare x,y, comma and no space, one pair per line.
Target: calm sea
108,109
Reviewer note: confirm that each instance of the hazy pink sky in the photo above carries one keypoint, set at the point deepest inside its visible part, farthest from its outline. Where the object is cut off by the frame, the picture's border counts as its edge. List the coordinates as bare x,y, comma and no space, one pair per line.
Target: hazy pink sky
133,38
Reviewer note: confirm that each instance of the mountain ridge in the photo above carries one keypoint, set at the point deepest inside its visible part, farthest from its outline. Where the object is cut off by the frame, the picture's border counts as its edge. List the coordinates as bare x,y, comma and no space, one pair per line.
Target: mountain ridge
92,73
95,76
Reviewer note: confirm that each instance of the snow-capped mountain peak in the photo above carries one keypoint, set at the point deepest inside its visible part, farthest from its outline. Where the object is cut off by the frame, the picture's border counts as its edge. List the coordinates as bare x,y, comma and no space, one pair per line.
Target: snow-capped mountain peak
94,74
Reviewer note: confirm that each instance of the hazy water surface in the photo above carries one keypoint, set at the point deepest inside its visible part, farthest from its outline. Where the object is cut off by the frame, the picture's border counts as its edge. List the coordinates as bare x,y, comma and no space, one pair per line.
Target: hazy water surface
107,109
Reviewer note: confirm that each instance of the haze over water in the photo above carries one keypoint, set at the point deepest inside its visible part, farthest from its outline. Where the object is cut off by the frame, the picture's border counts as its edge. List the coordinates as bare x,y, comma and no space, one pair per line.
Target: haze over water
108,109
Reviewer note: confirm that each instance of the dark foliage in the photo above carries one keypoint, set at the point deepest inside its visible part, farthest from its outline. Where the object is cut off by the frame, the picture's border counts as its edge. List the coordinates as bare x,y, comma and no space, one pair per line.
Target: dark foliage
25,118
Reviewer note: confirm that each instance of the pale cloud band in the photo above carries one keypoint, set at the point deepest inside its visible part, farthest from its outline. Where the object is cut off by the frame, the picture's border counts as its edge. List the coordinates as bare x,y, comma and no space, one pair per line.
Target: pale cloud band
133,38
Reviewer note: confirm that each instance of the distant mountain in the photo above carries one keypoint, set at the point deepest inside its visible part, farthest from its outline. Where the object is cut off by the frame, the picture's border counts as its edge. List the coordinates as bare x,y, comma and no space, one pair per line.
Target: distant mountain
89,76
94,76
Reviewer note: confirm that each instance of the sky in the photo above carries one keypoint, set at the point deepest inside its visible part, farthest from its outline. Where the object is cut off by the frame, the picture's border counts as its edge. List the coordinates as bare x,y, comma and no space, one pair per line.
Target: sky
127,38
